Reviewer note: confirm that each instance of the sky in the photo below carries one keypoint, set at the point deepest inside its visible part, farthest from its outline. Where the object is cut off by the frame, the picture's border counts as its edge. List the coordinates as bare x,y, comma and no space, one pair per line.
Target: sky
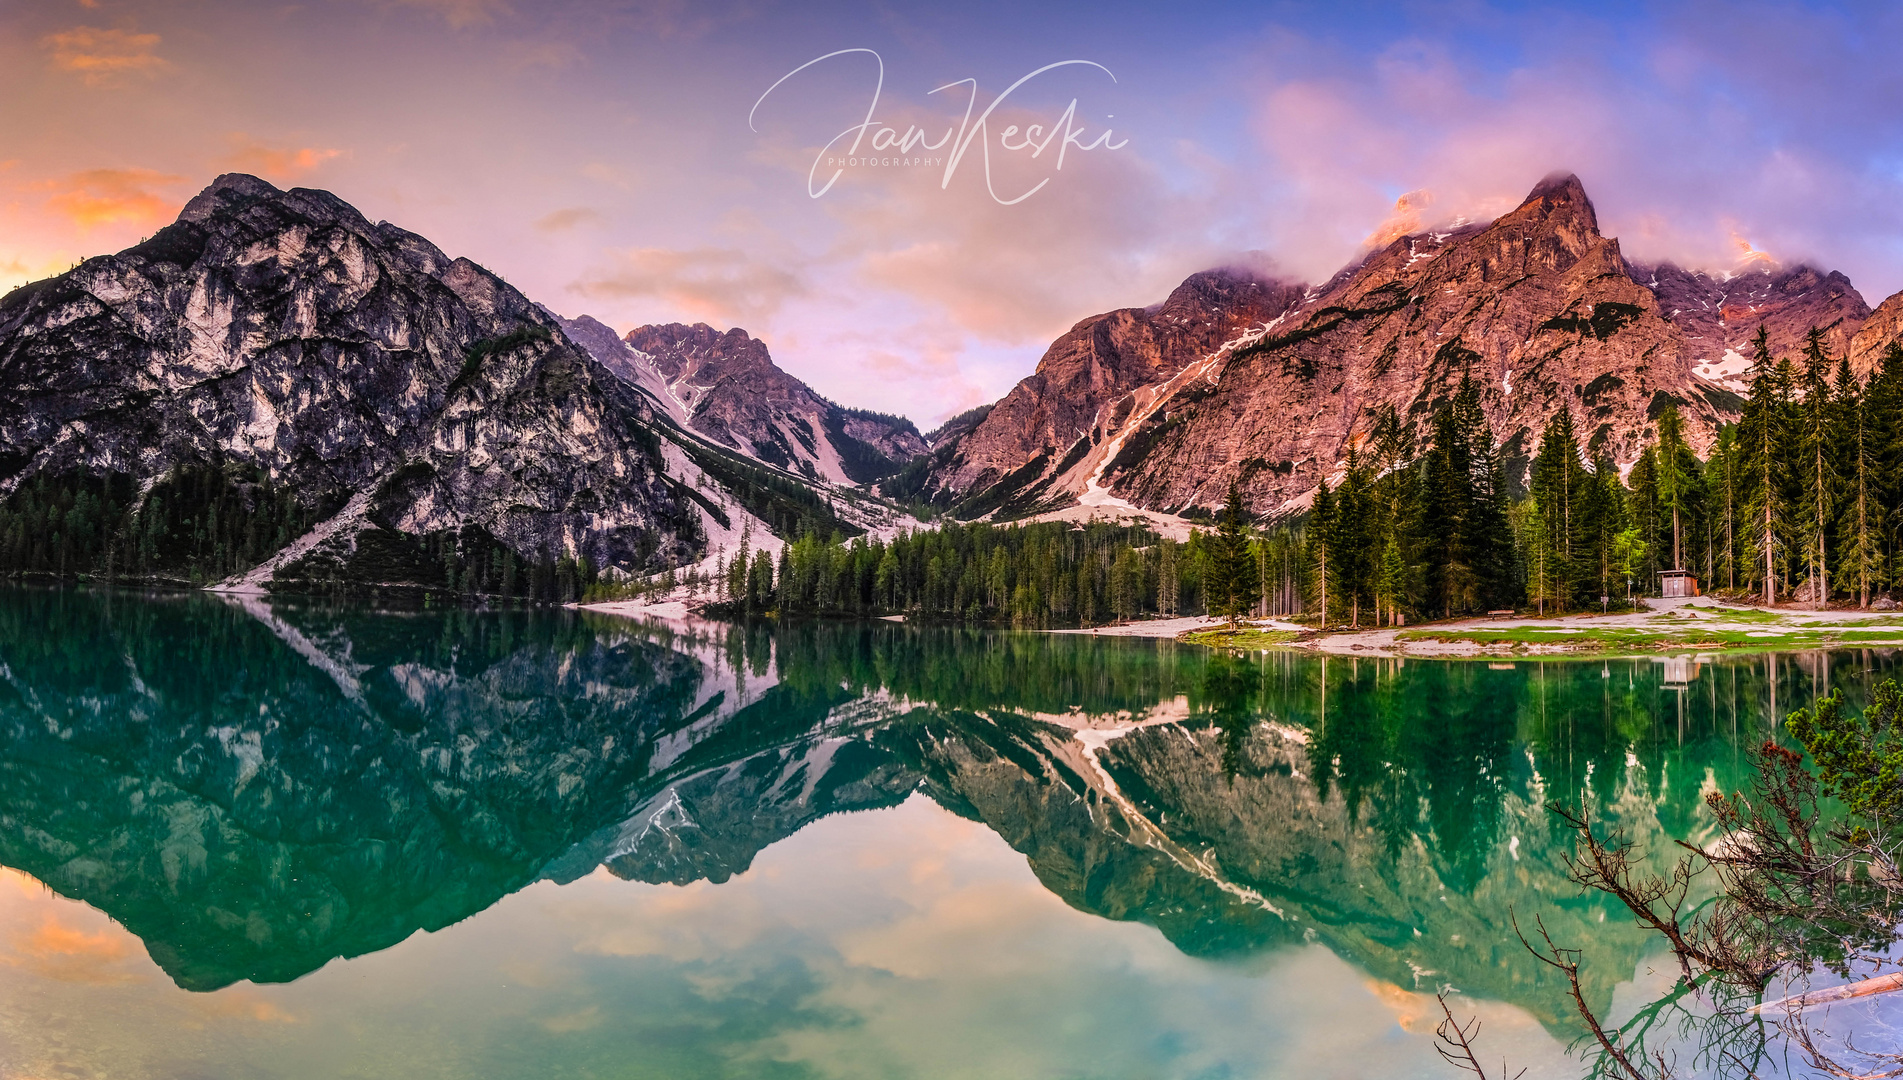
664,161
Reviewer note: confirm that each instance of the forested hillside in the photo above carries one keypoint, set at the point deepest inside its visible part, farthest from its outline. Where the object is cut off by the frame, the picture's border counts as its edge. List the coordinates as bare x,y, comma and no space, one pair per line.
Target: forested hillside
1798,496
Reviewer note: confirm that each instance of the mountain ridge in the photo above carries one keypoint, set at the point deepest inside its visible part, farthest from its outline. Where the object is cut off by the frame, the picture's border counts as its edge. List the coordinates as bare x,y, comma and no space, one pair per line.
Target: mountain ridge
1538,307
277,392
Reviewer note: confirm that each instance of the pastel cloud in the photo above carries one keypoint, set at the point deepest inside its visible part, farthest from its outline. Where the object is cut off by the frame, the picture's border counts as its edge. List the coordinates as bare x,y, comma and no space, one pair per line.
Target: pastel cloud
103,56
276,162
1681,150
568,218
97,197
462,14
725,286
1106,231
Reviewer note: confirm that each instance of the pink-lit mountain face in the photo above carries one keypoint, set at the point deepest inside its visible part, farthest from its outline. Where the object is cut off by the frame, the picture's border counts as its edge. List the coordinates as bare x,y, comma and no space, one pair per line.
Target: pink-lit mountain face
1269,384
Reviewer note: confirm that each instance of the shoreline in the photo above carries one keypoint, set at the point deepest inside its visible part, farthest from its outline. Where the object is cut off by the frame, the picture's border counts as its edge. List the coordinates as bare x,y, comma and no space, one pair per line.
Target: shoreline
1695,625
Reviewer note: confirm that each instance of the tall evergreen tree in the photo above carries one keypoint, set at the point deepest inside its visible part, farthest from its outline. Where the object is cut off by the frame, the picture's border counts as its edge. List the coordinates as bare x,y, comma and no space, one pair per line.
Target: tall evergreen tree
1354,542
1320,535
1645,512
1231,576
1859,530
1762,444
1677,478
1721,474
1559,490
1817,426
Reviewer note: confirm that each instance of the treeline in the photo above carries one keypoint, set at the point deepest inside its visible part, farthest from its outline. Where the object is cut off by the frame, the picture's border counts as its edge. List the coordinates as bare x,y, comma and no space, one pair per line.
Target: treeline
203,523
1049,574
198,524
1796,500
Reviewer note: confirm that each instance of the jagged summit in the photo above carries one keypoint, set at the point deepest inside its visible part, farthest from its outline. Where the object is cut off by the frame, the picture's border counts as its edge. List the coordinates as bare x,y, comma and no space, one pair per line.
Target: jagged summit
1538,307
347,370
725,385
223,192
1559,187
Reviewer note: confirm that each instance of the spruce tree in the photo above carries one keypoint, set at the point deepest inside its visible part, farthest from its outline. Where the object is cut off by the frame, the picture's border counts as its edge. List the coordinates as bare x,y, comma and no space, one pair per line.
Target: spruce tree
1646,515
1231,575
1677,478
1560,486
1883,418
1354,555
1858,537
1762,442
1320,536
1816,428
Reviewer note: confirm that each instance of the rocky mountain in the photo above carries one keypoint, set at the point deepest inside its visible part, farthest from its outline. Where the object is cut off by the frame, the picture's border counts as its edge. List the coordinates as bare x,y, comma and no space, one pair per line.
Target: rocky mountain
1089,381
1538,307
726,387
730,389
1719,314
287,344
1883,328
276,391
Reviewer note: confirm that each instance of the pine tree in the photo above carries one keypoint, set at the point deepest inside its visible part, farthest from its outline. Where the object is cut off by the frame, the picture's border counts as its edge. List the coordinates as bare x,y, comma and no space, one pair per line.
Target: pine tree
1677,477
1762,444
1353,558
1231,573
1467,538
1646,514
1321,526
1858,545
1392,582
1559,490
1816,420
1883,419
1721,473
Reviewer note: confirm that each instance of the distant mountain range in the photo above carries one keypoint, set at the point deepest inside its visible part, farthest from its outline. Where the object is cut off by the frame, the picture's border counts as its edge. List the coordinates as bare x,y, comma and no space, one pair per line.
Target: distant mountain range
311,398
401,410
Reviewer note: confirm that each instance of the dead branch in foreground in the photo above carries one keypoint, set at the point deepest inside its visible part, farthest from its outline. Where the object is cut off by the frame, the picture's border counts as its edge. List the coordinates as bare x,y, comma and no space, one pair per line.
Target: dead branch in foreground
1454,1041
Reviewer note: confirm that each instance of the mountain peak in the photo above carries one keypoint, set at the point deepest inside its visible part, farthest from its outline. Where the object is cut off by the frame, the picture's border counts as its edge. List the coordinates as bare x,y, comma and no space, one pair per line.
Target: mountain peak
1559,196
223,191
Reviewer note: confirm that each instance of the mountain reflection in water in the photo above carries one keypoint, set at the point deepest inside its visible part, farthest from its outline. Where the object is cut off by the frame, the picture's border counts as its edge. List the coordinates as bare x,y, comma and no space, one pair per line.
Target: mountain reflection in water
254,788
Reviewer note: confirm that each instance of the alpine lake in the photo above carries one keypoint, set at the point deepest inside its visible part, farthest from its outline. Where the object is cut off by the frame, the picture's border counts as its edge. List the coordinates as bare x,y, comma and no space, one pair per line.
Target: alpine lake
264,838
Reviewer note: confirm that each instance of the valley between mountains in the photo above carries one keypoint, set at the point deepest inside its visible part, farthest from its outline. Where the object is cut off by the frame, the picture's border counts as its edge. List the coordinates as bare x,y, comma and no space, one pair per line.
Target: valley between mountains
275,393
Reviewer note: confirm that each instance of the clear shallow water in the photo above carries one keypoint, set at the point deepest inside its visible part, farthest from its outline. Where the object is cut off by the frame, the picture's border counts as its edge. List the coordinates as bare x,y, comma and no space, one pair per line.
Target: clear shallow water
254,840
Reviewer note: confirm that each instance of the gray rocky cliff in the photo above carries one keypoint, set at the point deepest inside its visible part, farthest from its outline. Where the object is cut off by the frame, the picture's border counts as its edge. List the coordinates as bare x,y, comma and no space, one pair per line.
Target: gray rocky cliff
353,365
725,386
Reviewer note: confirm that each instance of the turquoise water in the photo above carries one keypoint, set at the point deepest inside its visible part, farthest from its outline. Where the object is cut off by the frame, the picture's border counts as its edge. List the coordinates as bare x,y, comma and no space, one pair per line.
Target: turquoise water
269,839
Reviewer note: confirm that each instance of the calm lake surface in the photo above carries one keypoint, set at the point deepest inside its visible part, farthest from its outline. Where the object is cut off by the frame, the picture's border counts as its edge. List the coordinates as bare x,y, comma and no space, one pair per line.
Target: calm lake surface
246,838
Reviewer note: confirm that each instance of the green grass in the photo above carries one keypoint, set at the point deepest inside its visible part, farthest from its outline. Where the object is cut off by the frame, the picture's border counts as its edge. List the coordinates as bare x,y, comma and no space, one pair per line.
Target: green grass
1612,638
1241,638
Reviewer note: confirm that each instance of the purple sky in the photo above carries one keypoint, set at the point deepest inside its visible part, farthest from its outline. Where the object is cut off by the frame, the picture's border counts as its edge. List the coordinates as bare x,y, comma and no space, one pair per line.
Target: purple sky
598,154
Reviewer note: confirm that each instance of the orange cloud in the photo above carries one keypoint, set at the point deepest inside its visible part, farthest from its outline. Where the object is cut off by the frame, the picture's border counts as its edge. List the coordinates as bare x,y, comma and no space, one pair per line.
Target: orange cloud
1404,221
275,161
68,954
1748,254
106,196
718,285
568,218
102,57
462,14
